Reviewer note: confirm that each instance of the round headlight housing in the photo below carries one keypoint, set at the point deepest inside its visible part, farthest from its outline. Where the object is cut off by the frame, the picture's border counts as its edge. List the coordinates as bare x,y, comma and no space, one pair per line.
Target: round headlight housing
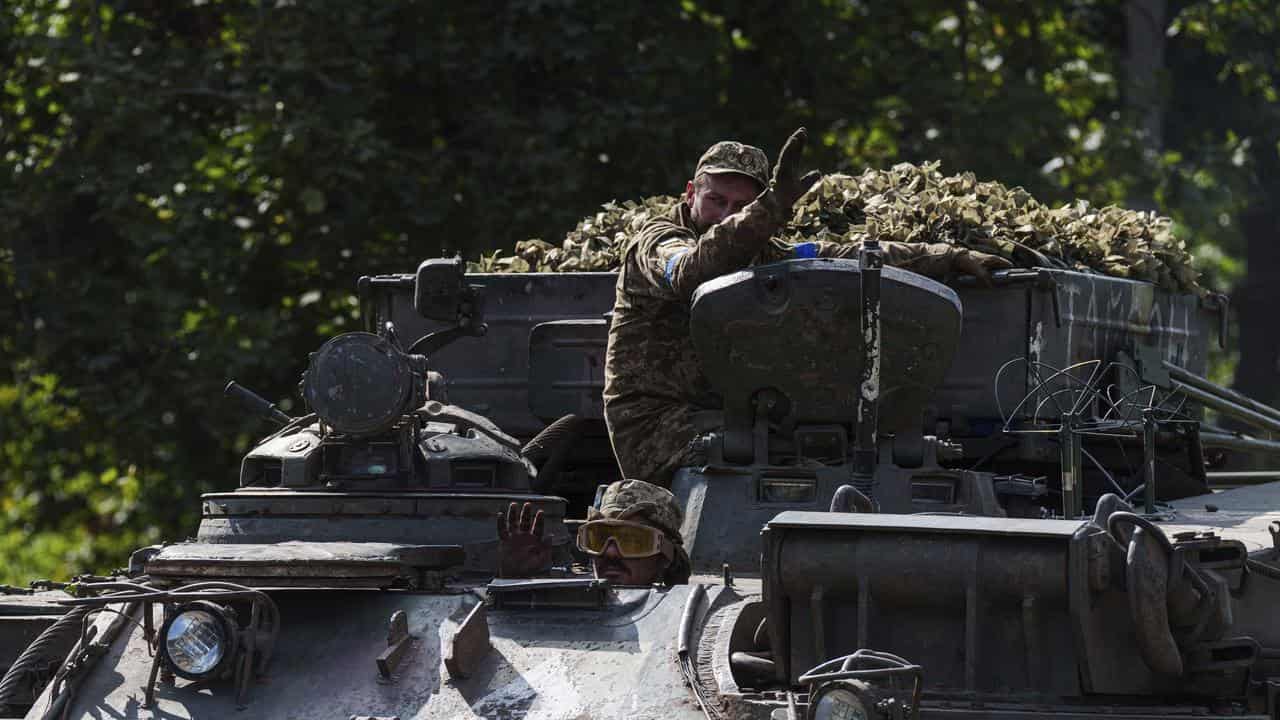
838,701
198,640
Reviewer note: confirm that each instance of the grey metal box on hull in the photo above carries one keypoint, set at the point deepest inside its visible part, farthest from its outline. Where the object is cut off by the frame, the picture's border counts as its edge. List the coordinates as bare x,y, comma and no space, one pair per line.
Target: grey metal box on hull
1055,317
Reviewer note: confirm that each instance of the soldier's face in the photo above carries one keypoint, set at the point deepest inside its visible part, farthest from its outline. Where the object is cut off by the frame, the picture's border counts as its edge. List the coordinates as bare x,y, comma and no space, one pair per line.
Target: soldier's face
713,198
618,570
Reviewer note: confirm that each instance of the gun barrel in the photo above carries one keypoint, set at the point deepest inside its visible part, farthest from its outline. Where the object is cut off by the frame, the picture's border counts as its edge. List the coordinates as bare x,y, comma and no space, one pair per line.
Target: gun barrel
1224,399
255,403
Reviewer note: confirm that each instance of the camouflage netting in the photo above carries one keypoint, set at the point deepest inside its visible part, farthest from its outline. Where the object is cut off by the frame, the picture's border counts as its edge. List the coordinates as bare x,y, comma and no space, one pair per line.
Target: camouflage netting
591,247
913,203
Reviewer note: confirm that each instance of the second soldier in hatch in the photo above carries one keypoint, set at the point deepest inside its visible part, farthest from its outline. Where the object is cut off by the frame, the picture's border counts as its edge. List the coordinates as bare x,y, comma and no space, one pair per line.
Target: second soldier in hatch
725,222
632,538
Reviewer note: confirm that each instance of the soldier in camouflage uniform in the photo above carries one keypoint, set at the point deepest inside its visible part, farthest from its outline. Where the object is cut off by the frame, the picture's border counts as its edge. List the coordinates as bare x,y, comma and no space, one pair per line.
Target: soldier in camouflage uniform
726,222
633,538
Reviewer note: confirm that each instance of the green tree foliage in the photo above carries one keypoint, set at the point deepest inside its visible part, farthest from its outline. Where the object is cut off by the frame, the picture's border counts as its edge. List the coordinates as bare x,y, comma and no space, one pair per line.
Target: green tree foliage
1224,128
192,187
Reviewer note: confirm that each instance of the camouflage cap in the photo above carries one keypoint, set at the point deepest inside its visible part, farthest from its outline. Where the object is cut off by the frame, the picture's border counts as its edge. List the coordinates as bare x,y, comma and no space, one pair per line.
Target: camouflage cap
734,157
639,501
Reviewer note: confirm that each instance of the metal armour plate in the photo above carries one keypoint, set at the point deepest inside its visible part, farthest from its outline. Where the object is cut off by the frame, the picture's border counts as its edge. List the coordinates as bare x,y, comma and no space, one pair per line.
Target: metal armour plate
794,327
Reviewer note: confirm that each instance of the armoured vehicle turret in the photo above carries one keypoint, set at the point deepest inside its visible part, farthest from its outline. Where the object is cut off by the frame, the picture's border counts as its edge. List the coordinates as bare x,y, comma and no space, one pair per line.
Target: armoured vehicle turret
915,500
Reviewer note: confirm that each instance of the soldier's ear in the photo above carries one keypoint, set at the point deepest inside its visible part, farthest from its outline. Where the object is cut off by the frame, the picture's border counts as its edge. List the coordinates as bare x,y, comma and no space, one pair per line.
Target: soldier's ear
688,192
664,566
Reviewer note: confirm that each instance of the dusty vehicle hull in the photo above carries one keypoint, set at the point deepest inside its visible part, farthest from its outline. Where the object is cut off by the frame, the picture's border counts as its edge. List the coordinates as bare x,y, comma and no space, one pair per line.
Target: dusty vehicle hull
350,574
543,357
624,659
1053,316
543,663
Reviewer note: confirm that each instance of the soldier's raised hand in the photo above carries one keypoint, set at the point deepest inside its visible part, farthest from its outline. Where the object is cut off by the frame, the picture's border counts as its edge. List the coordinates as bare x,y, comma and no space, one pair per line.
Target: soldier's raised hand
788,184
523,550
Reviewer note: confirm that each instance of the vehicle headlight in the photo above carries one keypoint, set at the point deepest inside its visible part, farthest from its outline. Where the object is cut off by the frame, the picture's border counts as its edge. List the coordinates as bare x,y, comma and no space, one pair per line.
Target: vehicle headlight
838,702
198,639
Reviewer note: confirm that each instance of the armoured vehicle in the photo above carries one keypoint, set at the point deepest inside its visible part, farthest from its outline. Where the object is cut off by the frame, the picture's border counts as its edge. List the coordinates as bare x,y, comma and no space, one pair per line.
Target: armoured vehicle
915,501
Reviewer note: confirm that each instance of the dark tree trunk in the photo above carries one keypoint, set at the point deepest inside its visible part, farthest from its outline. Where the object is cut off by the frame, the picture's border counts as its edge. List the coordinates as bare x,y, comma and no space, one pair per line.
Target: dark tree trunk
1144,25
1257,300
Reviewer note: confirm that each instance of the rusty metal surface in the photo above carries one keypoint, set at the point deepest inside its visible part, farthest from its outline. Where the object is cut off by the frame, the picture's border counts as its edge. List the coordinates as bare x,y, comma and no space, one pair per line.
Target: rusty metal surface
618,663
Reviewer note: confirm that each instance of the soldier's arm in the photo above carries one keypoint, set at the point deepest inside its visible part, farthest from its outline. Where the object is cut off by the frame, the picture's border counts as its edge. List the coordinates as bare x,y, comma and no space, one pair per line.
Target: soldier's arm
684,263
734,242
933,260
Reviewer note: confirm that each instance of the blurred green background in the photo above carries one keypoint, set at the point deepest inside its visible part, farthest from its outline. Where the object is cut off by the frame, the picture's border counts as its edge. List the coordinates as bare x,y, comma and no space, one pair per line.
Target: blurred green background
191,188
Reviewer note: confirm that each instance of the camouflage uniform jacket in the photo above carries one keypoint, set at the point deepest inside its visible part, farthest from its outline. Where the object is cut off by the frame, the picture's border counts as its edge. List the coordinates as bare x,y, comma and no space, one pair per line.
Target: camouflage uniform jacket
653,384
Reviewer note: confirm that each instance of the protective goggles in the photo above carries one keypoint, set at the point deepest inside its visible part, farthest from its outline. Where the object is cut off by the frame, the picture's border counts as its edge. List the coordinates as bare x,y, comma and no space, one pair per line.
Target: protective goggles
634,540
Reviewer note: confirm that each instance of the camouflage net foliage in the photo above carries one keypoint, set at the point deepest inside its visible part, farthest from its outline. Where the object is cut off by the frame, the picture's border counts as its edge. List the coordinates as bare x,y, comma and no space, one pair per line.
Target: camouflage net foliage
912,203
592,246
